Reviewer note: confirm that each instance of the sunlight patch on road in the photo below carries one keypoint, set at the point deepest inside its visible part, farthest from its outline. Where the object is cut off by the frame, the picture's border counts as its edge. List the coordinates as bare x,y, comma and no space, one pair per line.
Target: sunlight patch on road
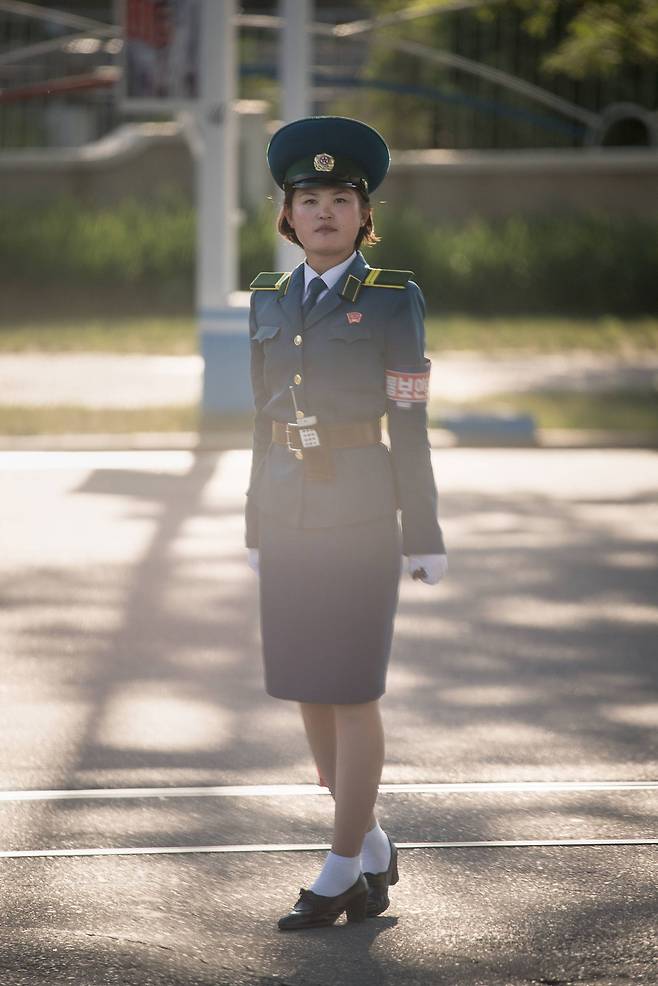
205,658
145,717
478,529
408,679
178,461
645,715
528,611
630,559
510,733
484,695
230,477
425,627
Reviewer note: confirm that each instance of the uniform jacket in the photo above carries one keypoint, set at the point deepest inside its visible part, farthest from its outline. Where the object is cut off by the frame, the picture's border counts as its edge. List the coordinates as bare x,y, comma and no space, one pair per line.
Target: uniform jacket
342,364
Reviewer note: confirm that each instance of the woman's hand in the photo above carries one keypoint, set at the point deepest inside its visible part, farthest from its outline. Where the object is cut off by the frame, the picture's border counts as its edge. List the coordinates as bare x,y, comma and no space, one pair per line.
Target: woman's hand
252,559
427,568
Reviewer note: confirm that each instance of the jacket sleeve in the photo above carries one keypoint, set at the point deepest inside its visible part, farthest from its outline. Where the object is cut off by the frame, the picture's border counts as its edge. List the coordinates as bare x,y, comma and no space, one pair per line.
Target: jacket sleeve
407,427
262,434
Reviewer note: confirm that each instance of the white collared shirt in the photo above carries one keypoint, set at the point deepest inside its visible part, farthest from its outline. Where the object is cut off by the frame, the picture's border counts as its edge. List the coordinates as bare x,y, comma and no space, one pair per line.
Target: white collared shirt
330,277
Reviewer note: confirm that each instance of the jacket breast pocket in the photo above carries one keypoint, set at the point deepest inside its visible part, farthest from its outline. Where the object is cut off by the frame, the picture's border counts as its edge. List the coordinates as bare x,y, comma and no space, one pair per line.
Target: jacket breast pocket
354,357
274,348
265,332
349,333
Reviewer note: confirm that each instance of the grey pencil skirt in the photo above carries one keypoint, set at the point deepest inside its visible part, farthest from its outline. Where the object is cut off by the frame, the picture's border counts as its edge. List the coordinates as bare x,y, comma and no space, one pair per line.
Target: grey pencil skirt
328,598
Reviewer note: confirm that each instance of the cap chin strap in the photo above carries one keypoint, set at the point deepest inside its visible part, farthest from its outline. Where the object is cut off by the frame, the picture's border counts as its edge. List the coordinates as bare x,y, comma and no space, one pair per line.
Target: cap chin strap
360,184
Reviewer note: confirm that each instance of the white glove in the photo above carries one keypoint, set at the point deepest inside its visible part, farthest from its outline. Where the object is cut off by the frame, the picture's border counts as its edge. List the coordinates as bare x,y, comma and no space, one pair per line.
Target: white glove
433,567
252,559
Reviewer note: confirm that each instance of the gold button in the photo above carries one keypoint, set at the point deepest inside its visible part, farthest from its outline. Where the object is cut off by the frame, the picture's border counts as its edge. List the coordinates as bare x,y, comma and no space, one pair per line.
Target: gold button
297,340
298,378
299,455
300,414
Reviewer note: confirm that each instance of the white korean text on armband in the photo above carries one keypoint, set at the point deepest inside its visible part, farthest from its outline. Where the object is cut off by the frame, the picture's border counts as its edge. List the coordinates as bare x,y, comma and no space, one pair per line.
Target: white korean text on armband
406,388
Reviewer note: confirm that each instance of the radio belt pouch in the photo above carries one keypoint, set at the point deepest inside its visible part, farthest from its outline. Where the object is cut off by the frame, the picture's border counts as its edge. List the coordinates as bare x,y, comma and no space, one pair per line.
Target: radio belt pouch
311,439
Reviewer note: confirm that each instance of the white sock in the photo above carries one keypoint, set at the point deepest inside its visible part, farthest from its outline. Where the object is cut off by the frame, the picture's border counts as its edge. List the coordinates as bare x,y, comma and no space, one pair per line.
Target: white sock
375,851
338,873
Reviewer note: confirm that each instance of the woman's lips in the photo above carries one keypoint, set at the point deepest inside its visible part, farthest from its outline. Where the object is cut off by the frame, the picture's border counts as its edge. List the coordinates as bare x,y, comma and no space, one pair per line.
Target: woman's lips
326,229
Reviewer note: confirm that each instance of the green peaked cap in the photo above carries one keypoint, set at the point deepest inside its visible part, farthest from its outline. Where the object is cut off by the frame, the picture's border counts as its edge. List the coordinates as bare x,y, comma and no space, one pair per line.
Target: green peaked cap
328,150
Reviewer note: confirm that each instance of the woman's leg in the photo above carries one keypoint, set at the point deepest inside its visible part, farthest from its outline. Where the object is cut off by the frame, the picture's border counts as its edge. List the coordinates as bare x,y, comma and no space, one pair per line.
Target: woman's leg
320,725
347,742
359,762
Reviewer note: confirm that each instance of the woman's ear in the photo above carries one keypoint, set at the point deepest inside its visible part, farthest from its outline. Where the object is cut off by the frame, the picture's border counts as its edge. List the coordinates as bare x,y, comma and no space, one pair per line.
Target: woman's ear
365,215
287,211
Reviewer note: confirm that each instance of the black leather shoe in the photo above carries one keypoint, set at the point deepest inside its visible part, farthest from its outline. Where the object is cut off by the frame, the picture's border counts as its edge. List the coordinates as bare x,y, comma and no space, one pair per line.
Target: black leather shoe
378,884
317,911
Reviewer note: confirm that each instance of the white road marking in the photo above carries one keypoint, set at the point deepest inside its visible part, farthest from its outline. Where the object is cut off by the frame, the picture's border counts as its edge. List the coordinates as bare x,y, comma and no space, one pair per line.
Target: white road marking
296,790
312,847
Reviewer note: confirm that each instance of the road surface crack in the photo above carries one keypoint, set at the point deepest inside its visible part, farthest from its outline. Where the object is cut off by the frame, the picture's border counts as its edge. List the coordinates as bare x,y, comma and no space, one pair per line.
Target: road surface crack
149,944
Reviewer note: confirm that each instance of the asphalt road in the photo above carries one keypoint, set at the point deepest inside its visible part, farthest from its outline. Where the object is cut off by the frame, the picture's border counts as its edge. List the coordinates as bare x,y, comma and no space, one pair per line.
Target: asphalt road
131,663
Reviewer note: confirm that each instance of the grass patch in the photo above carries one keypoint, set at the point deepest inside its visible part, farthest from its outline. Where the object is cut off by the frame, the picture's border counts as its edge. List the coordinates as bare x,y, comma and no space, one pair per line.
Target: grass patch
178,335
617,410
606,334
72,419
162,335
624,410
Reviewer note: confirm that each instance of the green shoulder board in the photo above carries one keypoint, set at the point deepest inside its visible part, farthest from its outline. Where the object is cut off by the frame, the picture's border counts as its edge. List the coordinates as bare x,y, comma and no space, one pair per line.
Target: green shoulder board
378,278
375,278
271,281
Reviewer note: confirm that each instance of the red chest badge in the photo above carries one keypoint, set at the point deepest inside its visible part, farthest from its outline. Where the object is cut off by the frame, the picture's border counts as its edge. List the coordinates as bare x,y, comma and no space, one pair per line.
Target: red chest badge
353,317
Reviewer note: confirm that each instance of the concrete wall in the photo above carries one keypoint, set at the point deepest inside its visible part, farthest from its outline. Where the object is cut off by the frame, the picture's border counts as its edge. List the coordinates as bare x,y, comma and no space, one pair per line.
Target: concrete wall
139,159
453,185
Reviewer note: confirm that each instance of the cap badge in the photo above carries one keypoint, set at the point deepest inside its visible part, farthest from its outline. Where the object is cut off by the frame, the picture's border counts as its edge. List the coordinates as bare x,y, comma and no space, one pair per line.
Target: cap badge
353,317
323,162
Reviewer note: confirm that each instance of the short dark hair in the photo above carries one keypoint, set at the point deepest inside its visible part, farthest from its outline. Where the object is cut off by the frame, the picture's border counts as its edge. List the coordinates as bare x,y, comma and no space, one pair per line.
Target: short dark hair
365,237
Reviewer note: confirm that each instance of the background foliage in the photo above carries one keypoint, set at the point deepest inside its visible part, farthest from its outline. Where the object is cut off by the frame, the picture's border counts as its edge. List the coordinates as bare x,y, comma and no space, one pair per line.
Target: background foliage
601,37
585,264
588,53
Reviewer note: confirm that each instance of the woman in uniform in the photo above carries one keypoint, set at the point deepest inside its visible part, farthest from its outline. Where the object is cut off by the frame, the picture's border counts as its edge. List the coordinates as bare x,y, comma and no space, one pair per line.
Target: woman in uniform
335,345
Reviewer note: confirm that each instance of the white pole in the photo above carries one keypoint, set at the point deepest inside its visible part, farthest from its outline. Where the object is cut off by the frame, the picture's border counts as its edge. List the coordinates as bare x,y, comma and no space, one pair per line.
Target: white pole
295,76
295,58
223,320
217,174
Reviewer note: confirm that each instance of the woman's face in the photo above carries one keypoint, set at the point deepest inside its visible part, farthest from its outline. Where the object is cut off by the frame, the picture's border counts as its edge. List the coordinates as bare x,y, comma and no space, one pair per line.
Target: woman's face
327,221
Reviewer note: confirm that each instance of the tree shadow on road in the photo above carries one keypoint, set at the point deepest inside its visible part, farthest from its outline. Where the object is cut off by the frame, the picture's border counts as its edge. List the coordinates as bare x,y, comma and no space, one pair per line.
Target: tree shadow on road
534,660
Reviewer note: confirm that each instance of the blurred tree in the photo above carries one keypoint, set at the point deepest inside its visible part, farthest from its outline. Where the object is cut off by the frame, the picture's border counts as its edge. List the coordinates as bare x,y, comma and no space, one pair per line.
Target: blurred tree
602,36
398,92
589,53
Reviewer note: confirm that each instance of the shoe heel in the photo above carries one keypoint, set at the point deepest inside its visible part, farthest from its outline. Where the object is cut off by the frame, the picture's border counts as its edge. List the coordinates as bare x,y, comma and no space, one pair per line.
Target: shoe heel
394,872
356,909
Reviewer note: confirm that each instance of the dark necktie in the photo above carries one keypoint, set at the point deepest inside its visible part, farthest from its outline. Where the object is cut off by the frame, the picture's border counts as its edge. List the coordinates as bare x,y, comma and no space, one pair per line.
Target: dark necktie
316,286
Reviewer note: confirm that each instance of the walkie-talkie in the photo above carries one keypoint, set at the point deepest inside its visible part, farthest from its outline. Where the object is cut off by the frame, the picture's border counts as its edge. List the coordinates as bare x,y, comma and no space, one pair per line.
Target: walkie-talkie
305,435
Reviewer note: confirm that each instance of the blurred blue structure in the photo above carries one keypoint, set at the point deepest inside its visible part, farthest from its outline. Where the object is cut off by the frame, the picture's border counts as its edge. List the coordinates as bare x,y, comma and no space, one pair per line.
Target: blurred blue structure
224,345
491,428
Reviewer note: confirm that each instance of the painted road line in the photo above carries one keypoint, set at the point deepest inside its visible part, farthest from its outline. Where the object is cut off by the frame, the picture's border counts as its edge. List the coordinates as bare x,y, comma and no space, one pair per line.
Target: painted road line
297,790
312,847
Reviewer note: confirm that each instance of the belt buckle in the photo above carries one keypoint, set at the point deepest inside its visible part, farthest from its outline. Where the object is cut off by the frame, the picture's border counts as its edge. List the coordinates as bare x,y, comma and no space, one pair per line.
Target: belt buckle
292,448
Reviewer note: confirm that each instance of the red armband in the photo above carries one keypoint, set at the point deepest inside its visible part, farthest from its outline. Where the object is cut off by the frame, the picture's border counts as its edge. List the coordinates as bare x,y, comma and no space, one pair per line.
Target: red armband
407,388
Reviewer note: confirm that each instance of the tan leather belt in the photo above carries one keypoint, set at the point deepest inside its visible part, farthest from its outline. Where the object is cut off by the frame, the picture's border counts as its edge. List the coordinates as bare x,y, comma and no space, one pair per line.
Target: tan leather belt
351,435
